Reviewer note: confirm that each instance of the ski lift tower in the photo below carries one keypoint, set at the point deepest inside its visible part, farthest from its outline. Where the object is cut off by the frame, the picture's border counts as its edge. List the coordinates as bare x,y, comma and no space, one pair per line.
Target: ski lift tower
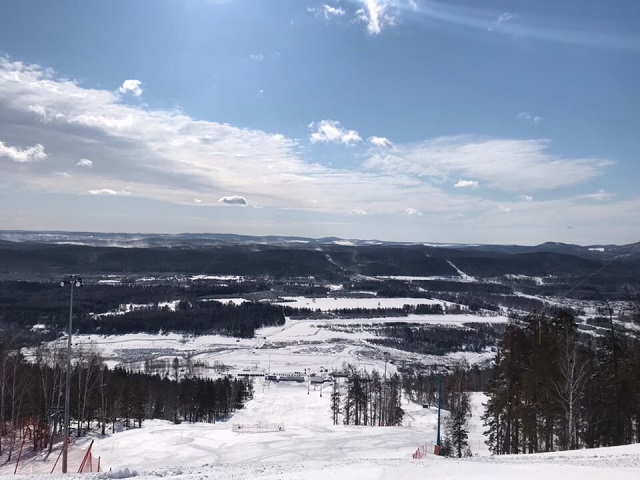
71,281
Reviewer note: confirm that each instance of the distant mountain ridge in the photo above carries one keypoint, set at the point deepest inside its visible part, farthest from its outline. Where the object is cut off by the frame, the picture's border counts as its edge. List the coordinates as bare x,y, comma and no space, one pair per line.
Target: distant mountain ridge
55,253
142,240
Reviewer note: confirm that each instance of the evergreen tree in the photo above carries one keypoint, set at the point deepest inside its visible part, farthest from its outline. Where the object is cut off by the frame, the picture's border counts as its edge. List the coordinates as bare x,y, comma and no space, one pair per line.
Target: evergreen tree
457,427
335,402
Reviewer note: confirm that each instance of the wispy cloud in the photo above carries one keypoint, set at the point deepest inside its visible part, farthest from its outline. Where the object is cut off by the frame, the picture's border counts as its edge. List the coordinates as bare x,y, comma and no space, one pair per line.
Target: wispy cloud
109,191
256,57
514,25
528,117
376,14
505,17
22,155
332,131
134,87
466,184
327,11
599,196
505,164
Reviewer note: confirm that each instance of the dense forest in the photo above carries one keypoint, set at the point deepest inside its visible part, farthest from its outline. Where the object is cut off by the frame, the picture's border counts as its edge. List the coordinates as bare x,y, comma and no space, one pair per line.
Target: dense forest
25,304
102,397
554,388
197,318
437,340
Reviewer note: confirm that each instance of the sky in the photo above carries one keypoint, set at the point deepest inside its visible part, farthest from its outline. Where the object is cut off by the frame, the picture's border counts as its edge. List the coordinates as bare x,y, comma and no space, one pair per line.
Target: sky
504,122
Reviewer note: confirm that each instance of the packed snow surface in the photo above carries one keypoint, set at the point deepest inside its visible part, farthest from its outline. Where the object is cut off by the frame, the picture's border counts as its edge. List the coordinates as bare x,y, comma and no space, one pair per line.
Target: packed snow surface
310,447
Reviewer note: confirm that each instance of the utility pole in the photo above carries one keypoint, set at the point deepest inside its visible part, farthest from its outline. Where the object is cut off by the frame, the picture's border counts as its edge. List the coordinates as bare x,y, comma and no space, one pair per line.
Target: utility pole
71,281
438,444
104,407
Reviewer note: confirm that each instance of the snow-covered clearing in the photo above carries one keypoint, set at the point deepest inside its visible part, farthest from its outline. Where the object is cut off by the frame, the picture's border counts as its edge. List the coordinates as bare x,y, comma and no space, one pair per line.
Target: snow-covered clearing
296,346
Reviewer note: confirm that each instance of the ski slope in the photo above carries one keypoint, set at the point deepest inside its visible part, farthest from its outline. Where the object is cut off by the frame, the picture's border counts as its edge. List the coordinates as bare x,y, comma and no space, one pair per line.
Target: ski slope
311,448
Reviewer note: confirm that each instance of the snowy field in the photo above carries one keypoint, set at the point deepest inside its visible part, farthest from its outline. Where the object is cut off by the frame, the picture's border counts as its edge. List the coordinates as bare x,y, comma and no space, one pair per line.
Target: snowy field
311,448
293,347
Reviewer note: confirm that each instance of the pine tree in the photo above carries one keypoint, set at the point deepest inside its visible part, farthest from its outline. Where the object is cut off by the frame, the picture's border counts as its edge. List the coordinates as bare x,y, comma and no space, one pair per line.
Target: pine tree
335,402
460,409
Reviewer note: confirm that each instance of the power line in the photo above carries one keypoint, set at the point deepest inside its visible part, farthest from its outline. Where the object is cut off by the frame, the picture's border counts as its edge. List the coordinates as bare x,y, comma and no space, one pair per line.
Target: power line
626,252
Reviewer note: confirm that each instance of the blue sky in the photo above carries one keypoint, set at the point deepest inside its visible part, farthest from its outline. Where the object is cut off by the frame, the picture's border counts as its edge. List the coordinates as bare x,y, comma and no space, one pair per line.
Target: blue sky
407,120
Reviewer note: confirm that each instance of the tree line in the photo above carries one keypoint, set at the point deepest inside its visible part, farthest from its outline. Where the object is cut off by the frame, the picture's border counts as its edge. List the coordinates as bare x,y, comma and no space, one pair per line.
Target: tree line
101,397
367,398
25,304
437,340
197,318
363,312
554,388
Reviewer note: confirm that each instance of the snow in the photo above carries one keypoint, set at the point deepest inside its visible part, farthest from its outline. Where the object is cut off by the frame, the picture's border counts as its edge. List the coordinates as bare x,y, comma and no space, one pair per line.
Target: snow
311,448
217,277
537,280
326,304
410,278
464,276
295,346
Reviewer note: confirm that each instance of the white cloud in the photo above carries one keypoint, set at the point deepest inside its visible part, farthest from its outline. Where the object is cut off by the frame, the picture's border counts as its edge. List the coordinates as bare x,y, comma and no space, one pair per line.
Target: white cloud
44,114
234,200
599,196
169,157
380,142
528,117
505,164
134,87
466,184
505,17
526,198
63,174
257,57
330,11
504,209
109,191
197,200
29,154
375,13
327,11
332,131
84,162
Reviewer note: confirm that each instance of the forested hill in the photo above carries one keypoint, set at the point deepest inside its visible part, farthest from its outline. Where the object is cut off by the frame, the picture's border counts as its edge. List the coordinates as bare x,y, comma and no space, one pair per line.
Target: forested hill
19,259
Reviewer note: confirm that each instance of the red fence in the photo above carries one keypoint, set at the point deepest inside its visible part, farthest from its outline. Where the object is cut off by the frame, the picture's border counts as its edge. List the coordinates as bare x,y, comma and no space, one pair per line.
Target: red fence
25,451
